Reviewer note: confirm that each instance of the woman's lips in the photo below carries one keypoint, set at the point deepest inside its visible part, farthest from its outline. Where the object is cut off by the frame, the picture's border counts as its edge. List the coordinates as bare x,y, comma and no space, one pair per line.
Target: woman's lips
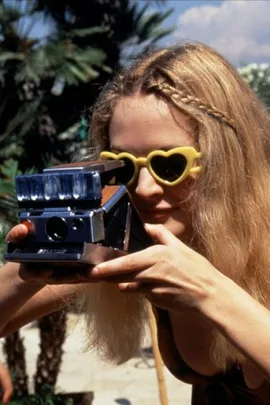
155,214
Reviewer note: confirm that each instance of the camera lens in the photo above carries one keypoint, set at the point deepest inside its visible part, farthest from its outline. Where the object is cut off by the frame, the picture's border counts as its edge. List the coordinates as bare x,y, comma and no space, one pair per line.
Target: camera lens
57,229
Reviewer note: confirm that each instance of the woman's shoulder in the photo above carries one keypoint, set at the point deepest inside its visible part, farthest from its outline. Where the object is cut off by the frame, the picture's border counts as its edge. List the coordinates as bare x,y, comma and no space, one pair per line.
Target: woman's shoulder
232,383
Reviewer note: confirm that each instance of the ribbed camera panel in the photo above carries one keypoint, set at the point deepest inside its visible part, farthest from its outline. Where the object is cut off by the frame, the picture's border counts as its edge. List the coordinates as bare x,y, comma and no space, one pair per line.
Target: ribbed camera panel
59,187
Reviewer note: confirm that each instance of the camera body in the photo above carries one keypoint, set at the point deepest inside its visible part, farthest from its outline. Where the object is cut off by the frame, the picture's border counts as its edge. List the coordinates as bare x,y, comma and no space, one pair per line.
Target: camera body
75,216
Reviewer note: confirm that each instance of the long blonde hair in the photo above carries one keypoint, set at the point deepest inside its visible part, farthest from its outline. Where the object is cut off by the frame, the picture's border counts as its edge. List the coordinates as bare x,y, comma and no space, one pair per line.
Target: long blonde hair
231,198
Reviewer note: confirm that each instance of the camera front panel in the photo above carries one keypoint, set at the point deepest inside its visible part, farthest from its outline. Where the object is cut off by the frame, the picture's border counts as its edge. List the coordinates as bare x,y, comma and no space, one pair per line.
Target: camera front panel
66,226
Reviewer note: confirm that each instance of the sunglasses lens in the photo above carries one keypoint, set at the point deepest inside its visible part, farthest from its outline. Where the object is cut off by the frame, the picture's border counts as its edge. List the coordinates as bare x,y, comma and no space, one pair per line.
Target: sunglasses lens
169,168
125,175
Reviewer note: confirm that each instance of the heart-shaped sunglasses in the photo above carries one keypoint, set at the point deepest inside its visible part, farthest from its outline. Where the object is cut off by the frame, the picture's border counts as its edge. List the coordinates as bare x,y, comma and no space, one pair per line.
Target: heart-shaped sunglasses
168,168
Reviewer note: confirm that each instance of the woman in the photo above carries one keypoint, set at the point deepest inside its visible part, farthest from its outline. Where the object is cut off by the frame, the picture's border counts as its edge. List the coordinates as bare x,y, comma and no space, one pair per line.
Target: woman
199,177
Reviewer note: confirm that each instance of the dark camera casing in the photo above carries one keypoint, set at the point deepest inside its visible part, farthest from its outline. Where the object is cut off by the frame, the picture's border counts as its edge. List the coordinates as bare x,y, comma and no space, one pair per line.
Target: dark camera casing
75,216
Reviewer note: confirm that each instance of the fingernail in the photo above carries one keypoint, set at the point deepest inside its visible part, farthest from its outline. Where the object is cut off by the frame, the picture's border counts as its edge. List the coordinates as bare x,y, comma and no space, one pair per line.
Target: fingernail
123,286
94,270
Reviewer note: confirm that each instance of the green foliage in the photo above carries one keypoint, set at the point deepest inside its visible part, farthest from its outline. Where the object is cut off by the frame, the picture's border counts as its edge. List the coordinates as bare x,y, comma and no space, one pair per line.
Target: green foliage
4,228
8,201
258,78
147,26
47,84
125,23
9,170
45,397
33,74
146,31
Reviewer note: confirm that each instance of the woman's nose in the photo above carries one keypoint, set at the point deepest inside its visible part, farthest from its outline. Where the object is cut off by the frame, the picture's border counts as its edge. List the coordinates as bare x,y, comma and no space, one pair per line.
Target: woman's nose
147,187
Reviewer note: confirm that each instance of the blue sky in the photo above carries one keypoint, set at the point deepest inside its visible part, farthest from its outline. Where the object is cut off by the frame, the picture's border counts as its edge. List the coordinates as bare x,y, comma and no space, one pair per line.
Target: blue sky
239,29
180,6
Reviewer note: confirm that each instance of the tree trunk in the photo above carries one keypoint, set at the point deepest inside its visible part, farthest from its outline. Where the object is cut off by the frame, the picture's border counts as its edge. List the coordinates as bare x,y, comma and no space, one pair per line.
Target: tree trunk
15,355
52,336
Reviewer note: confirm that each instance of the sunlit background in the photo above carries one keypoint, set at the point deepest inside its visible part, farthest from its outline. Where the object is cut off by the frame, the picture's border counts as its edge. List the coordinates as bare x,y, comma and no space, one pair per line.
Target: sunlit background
55,57
239,29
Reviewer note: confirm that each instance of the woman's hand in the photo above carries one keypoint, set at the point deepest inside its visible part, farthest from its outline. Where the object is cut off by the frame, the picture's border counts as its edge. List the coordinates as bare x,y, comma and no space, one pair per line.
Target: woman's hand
170,274
44,273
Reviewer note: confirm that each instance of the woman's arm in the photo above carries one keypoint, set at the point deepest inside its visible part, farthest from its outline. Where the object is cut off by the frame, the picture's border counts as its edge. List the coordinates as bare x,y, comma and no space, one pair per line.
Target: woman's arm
243,320
179,280
239,317
27,293
6,386
14,292
24,301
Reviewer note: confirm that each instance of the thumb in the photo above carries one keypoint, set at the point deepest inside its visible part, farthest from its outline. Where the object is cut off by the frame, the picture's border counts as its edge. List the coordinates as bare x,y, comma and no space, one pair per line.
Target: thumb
161,235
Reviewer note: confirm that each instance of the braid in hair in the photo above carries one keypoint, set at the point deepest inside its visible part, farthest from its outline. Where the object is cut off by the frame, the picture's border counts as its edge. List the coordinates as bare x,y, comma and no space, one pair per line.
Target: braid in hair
179,95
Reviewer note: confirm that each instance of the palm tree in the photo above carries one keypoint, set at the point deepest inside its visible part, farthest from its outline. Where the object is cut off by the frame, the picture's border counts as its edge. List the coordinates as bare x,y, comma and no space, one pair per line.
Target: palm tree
52,329
122,29
31,73
46,84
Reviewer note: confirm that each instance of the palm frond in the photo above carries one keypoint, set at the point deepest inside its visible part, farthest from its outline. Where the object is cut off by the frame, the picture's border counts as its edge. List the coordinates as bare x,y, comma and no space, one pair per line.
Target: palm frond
9,56
148,24
83,32
24,118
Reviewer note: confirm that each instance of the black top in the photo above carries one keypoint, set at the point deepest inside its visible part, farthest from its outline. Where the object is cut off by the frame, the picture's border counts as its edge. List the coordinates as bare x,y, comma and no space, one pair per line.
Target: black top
227,388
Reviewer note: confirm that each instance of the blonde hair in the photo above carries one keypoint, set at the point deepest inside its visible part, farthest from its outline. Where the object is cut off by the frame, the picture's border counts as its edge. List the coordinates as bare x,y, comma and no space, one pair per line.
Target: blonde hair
116,323
230,200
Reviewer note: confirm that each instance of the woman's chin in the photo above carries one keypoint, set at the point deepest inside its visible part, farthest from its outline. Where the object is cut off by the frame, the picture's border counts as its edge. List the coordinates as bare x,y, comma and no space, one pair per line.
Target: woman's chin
178,229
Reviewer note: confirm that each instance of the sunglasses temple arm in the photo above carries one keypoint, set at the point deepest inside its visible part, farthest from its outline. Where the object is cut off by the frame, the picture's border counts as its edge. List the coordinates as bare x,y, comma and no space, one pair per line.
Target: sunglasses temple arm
195,169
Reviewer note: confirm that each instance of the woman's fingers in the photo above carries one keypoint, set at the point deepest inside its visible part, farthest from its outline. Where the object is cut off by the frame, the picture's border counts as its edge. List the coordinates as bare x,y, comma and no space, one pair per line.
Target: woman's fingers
69,276
135,287
138,276
140,260
17,233
149,289
151,275
127,264
161,235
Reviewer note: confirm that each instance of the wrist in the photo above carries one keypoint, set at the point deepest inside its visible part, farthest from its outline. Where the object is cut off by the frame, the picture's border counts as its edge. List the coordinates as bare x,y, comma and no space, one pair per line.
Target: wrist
217,297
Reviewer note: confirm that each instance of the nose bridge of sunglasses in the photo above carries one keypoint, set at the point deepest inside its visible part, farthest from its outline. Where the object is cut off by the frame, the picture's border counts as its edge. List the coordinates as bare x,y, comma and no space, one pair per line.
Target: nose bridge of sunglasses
141,161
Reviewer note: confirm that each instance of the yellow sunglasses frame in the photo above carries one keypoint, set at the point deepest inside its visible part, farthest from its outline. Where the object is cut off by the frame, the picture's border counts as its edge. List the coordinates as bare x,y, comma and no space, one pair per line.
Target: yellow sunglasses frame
190,153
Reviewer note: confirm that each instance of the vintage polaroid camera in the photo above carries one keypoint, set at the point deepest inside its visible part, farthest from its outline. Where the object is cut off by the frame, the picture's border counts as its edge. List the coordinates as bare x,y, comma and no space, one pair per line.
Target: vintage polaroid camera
75,216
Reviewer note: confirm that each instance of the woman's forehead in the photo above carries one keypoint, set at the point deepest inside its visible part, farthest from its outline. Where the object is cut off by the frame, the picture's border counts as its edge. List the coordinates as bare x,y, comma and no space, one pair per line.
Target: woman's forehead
149,123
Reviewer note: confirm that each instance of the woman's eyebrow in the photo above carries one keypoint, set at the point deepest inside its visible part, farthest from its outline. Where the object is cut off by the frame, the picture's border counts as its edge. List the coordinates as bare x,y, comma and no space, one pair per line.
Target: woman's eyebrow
116,150
163,148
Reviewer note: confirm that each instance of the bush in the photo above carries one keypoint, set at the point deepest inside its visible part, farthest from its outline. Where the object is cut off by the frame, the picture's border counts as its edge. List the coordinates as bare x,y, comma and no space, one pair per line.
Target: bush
258,78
